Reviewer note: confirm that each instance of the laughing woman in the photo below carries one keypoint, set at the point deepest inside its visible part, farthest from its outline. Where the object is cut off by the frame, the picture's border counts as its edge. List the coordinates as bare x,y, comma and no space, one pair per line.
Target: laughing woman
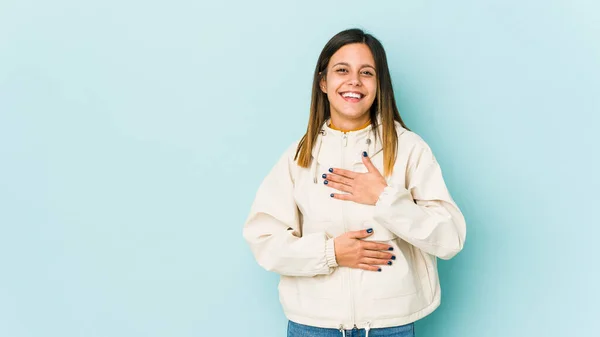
355,213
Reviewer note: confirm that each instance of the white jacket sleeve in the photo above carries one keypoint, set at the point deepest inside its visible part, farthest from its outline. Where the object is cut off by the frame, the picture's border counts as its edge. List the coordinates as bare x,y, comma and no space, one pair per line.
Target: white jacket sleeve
424,214
273,232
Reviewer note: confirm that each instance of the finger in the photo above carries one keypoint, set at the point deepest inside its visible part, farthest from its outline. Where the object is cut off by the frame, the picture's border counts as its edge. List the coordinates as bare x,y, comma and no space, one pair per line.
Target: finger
360,234
338,186
368,267
342,196
367,161
378,255
376,246
338,179
374,262
345,173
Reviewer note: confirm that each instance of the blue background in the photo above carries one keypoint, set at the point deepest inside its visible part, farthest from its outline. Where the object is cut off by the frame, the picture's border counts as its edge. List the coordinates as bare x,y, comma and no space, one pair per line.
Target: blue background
134,134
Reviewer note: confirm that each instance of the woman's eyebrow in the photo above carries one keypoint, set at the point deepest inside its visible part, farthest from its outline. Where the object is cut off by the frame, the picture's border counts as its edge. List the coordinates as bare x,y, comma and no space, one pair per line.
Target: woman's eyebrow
346,64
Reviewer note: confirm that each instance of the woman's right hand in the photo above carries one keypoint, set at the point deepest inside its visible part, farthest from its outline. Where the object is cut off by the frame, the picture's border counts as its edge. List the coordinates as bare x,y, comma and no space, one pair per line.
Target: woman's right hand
351,251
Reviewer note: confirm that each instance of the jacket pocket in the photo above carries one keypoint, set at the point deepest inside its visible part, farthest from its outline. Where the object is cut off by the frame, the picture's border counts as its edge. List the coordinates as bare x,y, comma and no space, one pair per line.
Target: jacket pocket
321,286
428,266
397,279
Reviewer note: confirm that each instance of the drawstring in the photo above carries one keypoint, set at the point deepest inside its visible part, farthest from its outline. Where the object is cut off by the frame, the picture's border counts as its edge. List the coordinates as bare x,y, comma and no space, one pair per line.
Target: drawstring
342,330
313,167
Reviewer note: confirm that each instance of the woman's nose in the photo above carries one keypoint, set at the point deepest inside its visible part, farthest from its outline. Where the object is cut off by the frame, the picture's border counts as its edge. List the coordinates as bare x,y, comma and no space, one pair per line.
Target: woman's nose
354,81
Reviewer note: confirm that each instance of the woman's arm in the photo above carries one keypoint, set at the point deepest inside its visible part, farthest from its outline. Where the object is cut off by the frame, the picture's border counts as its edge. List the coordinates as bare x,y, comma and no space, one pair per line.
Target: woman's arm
272,228
425,214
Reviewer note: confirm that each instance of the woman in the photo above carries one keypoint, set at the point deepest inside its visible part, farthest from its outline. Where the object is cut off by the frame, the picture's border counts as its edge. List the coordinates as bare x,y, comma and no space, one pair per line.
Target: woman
354,214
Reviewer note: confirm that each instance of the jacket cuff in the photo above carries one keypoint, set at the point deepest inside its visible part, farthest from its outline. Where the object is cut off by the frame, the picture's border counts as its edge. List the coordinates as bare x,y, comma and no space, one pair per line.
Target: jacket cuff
389,196
330,253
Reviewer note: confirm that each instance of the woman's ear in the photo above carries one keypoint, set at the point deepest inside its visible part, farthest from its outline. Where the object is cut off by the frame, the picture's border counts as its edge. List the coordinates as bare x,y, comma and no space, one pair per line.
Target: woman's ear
323,84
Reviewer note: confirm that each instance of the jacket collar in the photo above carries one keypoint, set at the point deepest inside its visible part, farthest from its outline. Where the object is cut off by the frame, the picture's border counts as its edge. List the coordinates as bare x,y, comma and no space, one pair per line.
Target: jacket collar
362,140
372,144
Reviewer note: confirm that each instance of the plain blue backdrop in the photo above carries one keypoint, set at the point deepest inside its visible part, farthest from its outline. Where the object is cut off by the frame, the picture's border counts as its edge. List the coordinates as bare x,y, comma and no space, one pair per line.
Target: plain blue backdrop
134,134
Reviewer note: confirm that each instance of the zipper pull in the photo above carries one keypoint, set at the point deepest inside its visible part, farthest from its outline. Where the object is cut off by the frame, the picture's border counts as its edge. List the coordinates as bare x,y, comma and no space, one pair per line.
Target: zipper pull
345,140
342,330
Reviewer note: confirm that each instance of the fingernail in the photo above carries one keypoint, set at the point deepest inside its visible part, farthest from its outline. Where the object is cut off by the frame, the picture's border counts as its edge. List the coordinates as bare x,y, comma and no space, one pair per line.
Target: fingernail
379,269
370,230
389,263
331,195
325,182
330,170
364,153
393,257
391,248
324,176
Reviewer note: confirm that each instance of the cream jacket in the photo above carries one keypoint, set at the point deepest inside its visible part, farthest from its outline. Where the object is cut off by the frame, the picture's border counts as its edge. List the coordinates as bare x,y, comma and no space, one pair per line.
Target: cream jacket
293,221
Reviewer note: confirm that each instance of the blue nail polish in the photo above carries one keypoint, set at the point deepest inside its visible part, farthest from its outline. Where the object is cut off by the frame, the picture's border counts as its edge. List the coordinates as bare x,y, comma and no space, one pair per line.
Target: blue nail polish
331,195
391,248
393,257
330,170
379,269
364,153
370,230
324,176
390,263
325,182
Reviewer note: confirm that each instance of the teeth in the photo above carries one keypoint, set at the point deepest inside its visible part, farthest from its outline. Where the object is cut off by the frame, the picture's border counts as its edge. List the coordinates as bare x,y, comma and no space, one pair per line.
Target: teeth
351,94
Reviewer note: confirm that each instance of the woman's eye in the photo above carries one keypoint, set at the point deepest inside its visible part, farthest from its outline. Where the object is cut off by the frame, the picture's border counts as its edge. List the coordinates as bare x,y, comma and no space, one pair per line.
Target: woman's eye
341,70
368,73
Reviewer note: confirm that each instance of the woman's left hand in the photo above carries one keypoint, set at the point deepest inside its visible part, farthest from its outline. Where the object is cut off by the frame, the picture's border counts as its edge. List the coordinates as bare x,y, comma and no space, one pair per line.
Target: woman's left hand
363,188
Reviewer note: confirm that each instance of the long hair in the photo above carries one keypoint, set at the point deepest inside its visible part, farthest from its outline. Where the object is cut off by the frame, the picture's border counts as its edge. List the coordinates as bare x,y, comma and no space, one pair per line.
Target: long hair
384,104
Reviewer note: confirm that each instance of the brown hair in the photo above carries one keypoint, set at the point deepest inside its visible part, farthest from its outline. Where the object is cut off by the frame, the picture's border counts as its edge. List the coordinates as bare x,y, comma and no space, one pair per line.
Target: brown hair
384,104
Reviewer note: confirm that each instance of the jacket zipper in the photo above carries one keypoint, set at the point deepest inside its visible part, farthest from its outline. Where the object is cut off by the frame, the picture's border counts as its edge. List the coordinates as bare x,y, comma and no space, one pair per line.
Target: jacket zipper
344,144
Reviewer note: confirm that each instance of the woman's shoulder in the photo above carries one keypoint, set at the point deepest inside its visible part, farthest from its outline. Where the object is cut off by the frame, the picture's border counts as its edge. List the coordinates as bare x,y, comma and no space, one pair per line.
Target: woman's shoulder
410,139
416,152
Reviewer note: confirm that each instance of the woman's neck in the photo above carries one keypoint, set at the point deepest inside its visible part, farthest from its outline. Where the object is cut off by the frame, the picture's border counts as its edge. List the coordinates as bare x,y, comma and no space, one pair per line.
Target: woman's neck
349,125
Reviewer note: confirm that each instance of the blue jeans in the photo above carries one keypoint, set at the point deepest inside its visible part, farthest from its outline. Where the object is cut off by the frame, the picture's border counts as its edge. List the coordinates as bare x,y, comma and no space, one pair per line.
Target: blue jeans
300,330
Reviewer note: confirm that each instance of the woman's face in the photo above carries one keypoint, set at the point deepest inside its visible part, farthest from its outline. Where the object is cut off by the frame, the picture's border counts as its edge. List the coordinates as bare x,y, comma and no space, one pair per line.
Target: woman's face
351,83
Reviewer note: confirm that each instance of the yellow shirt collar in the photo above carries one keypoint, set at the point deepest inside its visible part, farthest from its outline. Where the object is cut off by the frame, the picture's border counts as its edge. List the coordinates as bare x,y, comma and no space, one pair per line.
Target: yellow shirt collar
344,131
